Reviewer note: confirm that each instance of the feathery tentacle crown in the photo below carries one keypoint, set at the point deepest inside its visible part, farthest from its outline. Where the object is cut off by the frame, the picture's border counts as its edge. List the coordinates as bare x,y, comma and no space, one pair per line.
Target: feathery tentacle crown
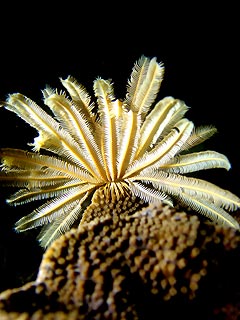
128,147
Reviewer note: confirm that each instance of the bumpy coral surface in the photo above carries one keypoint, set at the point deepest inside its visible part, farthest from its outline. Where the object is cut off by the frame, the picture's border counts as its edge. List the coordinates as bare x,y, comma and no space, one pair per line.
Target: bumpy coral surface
153,264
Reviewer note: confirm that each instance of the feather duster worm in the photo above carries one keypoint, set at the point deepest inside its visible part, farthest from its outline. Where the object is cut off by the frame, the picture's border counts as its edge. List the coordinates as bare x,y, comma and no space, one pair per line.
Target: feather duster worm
130,147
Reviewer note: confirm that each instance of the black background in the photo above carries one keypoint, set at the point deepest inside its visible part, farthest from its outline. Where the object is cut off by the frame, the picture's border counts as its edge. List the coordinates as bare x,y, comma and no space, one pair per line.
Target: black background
198,45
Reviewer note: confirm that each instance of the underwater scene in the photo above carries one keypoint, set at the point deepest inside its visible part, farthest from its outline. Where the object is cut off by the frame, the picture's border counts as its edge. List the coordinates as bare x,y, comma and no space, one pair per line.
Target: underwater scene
119,181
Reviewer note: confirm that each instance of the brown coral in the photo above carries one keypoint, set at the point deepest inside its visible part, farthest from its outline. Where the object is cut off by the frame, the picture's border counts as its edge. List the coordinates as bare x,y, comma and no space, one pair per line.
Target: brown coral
145,266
